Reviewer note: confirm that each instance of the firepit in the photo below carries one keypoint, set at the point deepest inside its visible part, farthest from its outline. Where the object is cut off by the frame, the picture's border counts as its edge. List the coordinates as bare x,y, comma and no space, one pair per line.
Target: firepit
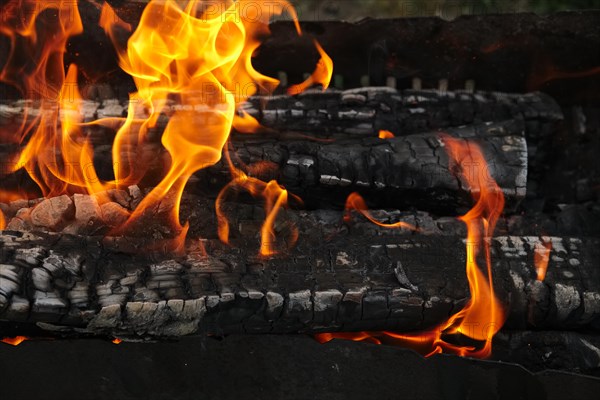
177,173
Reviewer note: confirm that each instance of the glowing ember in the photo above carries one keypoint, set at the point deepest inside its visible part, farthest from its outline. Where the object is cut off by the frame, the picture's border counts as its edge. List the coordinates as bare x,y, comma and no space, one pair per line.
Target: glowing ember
483,316
541,256
383,134
117,341
14,341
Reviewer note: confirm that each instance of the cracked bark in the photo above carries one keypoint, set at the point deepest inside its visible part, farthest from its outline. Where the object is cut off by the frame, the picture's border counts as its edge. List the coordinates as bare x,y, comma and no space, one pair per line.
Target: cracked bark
333,280
409,169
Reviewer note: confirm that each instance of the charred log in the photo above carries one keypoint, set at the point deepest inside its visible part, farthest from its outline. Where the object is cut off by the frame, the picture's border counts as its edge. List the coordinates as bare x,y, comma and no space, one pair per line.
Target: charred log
331,281
364,111
550,350
400,172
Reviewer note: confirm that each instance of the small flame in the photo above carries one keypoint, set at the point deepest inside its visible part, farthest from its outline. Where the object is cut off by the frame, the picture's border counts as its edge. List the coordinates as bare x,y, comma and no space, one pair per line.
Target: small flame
321,75
14,341
483,316
383,134
117,341
2,221
275,198
246,123
356,202
541,256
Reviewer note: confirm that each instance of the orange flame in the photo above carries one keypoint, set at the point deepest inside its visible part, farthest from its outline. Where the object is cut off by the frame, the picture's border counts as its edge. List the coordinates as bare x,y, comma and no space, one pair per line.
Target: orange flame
117,341
14,341
275,197
190,61
38,33
246,123
383,134
356,202
483,316
321,75
2,221
73,170
541,256
109,20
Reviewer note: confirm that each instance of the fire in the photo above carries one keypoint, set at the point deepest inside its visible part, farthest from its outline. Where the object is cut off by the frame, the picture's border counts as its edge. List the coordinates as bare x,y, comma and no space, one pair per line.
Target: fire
541,256
190,61
117,341
275,197
321,75
14,341
383,134
483,316
42,79
356,202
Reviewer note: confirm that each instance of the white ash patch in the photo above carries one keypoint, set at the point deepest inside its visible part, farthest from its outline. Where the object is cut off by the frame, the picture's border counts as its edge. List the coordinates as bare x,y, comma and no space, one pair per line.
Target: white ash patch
567,300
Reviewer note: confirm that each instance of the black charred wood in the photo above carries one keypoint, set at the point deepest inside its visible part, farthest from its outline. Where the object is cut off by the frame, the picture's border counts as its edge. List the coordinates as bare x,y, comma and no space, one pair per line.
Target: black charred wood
363,112
402,172
407,170
332,280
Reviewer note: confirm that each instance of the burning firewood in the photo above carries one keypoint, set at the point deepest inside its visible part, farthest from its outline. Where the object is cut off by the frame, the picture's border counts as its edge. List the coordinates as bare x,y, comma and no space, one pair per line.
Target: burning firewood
410,169
112,246
334,279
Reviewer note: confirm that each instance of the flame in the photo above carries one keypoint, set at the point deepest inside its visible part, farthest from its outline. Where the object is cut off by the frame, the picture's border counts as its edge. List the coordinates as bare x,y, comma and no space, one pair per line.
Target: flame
321,75
117,341
356,202
43,45
14,341
483,316
275,198
541,256
38,33
73,170
190,61
246,123
2,221
383,134
109,20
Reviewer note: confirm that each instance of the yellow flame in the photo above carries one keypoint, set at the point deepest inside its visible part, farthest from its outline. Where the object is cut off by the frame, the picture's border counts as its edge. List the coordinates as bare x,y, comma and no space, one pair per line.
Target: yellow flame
190,61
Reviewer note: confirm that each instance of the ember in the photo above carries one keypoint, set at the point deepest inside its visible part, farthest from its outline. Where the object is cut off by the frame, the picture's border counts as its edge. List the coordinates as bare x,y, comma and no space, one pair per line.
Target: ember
14,341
